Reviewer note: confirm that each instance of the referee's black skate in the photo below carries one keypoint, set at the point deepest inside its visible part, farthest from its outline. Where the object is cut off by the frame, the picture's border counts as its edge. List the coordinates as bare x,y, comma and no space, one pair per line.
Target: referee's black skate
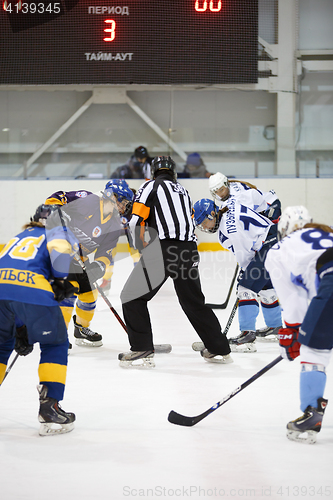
244,342
305,428
268,334
86,337
136,359
216,358
50,414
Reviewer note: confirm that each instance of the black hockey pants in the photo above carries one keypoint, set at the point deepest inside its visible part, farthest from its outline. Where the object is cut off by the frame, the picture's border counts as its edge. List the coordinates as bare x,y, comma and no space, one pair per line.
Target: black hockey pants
178,260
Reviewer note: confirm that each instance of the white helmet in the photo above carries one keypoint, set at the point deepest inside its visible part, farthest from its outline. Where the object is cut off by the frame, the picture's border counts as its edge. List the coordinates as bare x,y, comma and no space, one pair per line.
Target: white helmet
293,218
217,181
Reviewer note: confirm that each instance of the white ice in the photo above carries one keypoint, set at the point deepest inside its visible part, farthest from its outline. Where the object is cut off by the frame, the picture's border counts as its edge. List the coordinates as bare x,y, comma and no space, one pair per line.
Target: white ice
124,447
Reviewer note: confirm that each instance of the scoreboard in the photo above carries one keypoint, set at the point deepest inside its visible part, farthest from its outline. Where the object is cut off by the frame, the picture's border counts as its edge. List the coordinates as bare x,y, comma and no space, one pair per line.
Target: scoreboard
163,42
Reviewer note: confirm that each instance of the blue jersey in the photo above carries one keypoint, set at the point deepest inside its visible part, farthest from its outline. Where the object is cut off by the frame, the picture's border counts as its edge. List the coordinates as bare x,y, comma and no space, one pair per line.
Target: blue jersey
30,260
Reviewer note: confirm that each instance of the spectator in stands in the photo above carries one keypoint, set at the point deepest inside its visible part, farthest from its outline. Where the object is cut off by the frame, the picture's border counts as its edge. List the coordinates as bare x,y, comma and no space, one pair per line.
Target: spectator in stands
195,167
142,156
137,166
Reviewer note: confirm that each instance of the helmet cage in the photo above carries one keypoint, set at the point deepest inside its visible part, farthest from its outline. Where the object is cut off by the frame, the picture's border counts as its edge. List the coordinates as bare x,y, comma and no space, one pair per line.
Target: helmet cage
43,212
206,209
216,182
120,193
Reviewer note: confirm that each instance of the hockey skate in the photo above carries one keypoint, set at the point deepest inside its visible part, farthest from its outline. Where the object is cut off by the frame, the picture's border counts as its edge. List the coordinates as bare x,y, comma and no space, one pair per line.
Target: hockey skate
245,342
50,414
86,337
136,359
268,334
216,358
305,428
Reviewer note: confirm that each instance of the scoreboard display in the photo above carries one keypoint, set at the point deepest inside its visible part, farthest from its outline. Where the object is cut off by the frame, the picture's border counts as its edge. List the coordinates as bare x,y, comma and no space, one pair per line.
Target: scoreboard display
161,42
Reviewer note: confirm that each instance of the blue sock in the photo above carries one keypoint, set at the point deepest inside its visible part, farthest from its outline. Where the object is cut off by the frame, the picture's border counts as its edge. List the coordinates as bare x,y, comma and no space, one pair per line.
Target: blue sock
247,315
272,315
312,386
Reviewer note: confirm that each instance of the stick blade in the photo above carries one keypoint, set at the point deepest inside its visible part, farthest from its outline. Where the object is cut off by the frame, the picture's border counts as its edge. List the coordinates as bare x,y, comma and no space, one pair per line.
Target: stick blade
178,419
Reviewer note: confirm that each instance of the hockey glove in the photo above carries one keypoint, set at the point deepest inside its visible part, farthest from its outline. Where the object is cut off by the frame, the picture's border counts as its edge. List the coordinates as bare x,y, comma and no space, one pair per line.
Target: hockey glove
95,270
22,346
273,212
288,343
63,289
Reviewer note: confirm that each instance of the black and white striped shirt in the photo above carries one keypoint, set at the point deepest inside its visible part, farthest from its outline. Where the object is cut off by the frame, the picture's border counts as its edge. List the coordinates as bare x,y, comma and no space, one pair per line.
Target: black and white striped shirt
165,206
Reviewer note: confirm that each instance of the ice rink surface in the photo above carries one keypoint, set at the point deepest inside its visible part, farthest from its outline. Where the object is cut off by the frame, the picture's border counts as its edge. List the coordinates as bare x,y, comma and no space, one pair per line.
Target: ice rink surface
124,447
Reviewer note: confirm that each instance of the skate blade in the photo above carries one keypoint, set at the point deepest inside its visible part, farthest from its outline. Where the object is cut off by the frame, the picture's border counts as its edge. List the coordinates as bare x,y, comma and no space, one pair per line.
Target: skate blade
222,360
250,347
307,437
268,338
87,343
142,363
198,346
46,429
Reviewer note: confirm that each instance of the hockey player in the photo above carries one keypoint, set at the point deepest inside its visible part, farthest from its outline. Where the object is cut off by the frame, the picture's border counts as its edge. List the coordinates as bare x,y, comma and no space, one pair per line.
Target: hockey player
95,222
305,248
163,231
266,203
248,235
124,195
33,269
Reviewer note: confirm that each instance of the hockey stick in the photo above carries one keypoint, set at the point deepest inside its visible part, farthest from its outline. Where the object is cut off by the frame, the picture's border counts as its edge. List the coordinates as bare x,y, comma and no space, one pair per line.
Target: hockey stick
231,317
10,367
225,303
178,419
161,348
199,346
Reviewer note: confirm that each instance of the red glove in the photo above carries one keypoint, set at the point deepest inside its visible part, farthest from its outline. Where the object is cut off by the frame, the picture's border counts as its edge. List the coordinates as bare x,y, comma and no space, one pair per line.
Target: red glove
289,345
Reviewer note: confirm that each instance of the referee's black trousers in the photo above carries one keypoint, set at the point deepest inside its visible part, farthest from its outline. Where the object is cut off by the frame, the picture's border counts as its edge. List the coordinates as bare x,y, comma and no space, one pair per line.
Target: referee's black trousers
178,260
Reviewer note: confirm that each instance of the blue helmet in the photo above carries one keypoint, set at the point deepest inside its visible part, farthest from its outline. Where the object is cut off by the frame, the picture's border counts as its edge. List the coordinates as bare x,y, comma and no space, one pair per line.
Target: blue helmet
206,209
122,192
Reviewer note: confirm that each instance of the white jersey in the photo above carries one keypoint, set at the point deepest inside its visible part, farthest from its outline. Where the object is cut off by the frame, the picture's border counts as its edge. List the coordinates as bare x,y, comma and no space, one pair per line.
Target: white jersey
291,264
242,231
255,199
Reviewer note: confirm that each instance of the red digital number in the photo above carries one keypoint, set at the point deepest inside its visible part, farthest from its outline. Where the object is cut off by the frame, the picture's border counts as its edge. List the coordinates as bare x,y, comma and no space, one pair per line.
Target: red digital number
204,6
111,30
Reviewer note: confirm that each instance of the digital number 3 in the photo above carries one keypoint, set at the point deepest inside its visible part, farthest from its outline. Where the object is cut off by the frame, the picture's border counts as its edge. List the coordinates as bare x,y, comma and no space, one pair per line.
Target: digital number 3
111,30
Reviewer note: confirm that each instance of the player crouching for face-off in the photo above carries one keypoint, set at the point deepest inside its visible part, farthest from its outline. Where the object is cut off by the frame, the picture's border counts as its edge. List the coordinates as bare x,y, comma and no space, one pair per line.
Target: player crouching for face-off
33,269
301,269
95,221
265,203
248,235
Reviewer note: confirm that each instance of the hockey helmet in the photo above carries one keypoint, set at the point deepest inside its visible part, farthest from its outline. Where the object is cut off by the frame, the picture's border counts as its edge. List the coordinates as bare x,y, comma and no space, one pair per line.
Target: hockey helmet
164,163
206,209
42,213
293,218
122,192
216,182
141,153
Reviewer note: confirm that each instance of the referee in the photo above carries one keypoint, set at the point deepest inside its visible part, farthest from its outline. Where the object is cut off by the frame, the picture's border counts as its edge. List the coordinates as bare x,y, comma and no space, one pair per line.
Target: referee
163,231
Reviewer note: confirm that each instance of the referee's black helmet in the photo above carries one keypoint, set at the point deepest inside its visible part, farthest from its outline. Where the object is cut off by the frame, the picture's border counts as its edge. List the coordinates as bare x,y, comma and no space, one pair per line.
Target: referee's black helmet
163,164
